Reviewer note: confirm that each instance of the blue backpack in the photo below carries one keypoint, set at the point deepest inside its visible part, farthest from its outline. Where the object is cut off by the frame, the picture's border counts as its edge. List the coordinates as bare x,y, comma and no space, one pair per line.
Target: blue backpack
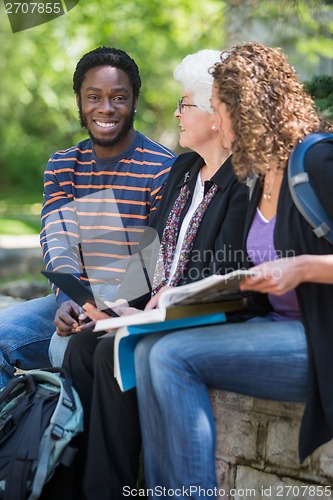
303,193
40,413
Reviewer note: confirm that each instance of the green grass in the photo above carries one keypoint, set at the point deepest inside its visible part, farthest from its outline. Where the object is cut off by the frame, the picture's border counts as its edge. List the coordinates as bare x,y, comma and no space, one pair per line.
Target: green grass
11,197
19,213
12,226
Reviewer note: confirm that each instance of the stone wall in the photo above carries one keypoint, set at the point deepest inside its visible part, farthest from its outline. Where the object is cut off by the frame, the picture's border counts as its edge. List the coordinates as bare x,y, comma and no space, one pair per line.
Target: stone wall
257,454
15,262
21,258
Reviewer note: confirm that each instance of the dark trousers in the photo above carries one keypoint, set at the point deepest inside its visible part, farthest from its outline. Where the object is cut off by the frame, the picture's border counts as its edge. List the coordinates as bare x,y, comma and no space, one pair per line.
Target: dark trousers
109,448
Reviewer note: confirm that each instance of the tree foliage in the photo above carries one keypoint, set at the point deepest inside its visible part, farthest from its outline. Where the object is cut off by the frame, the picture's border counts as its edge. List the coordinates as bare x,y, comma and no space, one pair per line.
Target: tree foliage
37,108
321,89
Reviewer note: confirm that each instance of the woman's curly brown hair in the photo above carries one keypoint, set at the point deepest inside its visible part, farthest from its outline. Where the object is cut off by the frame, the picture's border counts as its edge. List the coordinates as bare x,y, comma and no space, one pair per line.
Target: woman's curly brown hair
269,108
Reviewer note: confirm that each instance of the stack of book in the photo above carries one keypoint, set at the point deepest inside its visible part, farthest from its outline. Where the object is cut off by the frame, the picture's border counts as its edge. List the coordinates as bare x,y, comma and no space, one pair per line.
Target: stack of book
200,303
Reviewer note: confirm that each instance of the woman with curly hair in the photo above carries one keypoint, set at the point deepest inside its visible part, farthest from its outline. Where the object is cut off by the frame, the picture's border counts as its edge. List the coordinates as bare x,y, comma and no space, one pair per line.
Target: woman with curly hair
284,354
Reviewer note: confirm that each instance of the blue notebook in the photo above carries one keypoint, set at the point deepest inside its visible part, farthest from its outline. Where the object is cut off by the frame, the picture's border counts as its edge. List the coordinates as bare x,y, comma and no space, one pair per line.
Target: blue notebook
127,337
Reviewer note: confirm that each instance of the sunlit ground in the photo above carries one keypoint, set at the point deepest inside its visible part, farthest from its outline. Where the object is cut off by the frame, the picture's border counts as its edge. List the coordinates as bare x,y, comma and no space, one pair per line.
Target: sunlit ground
17,227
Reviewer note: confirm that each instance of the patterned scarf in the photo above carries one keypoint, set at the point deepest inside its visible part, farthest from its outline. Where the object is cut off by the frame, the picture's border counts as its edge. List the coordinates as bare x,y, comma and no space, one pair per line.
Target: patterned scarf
170,234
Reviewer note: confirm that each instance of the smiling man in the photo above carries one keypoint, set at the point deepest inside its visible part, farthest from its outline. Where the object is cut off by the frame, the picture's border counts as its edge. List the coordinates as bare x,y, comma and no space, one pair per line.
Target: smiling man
97,198
106,103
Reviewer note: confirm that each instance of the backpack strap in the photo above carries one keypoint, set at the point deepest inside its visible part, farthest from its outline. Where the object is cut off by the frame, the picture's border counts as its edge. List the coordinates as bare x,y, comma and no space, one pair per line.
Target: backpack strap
302,192
65,407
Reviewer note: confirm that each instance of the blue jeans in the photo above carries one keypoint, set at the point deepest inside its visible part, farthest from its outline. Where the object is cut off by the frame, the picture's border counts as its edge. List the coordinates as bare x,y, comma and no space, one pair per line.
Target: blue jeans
25,332
259,358
57,348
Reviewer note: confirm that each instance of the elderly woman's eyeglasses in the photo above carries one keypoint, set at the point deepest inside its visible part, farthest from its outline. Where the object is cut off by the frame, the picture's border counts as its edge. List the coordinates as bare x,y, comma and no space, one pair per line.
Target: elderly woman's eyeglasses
182,106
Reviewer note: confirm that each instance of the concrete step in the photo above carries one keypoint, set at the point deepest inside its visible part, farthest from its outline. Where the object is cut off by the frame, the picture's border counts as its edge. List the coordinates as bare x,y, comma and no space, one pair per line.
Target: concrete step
6,301
19,241
19,255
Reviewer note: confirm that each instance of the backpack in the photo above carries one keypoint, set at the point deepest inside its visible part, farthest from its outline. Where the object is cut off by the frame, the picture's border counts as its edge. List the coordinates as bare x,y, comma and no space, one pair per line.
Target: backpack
301,190
40,413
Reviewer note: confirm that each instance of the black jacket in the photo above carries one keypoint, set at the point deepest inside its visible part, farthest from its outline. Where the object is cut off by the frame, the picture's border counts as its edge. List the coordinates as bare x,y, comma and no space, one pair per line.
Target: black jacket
293,233
218,244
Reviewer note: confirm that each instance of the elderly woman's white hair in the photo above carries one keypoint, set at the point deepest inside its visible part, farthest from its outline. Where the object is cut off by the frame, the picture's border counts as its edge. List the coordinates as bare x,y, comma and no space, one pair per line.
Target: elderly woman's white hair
193,74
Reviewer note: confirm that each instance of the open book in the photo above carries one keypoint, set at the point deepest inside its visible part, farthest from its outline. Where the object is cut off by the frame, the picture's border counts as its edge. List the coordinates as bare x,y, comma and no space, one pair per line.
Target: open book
217,293
196,304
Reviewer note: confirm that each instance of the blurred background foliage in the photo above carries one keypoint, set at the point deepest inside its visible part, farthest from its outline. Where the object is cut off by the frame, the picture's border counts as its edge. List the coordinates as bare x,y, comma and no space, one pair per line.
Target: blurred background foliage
37,107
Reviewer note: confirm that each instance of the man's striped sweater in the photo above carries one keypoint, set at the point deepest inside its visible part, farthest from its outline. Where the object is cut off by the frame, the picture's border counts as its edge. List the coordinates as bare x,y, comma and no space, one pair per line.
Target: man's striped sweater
94,209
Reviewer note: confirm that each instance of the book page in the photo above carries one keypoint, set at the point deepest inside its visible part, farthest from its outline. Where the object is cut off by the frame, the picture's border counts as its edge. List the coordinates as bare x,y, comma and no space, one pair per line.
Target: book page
139,318
210,289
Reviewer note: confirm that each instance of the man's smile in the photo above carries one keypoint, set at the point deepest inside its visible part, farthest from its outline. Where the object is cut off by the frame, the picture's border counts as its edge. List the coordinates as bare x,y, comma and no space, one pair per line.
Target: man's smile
105,124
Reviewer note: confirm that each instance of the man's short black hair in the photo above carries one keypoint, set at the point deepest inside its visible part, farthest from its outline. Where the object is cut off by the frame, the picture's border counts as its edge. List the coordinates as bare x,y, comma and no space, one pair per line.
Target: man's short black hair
107,56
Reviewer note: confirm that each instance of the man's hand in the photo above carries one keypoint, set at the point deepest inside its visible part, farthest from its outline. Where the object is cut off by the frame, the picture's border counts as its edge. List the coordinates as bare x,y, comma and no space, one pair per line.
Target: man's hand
70,318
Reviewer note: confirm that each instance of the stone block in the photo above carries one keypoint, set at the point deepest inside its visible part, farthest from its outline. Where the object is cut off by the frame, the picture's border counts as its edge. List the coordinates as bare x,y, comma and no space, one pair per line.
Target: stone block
282,442
223,472
236,435
324,457
15,262
278,408
251,483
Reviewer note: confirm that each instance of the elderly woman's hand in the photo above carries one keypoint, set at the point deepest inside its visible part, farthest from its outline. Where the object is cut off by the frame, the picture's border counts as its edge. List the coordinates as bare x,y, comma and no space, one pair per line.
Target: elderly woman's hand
120,306
152,304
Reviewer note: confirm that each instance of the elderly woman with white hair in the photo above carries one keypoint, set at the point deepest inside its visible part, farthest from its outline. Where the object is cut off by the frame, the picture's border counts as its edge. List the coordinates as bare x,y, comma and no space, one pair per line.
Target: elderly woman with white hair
199,222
